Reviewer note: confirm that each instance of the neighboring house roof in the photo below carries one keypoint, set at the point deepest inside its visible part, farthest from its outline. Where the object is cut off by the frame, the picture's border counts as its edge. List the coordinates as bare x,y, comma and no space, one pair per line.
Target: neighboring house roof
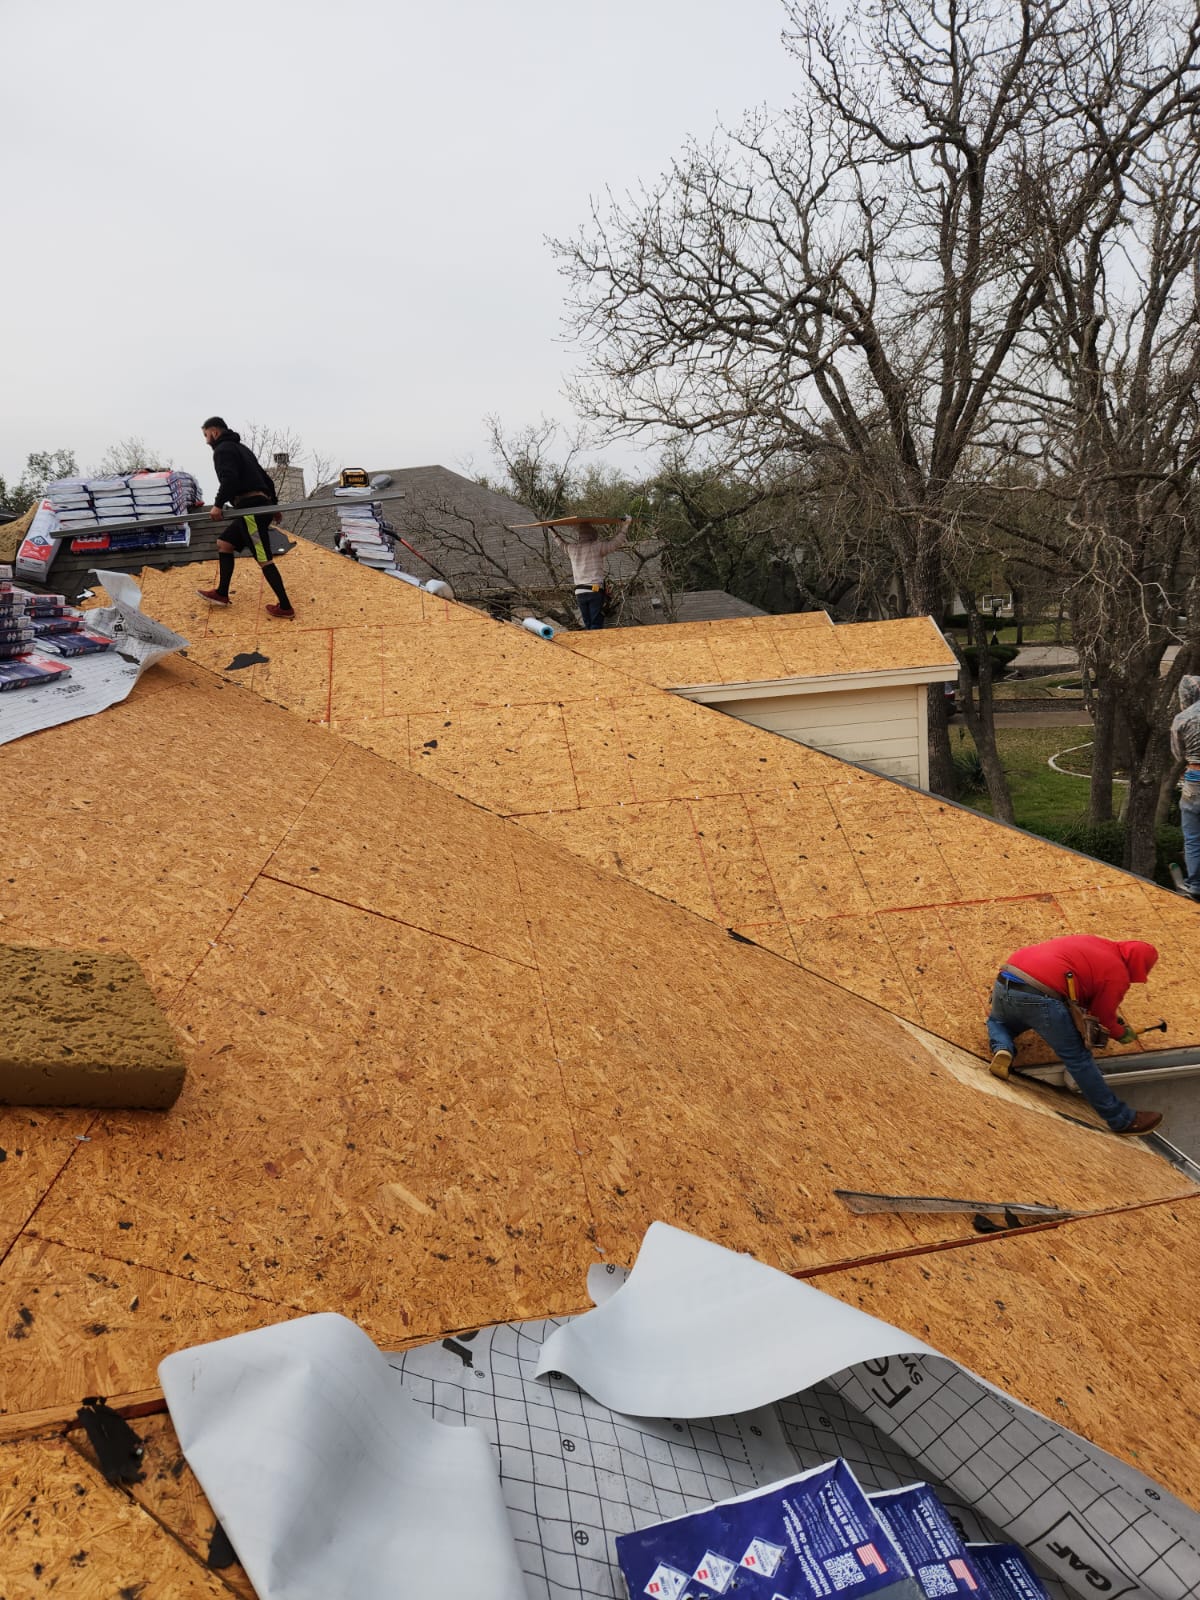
437,1061
698,605
460,531
767,649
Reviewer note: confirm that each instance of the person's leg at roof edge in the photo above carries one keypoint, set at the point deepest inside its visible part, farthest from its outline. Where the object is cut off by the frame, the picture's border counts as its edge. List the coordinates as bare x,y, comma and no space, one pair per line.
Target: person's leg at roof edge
1189,818
1015,1010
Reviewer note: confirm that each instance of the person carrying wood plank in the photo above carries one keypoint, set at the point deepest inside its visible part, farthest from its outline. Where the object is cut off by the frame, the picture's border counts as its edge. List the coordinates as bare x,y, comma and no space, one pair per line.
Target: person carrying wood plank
1185,746
245,486
586,553
1035,991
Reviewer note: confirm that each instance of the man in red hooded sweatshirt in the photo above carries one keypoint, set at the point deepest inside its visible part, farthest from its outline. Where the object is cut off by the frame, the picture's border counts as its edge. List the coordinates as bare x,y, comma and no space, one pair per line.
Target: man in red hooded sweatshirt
1031,992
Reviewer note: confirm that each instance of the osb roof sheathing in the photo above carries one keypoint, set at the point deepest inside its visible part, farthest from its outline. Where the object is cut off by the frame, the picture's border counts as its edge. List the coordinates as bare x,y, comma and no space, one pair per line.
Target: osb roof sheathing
438,1065
896,895
804,644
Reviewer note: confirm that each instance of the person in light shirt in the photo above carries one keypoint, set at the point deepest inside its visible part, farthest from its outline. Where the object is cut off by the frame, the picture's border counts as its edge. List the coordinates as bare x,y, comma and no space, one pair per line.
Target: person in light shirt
1185,746
587,554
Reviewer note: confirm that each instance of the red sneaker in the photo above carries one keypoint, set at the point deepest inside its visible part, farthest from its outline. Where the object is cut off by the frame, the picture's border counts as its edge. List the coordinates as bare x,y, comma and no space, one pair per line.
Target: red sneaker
214,597
284,613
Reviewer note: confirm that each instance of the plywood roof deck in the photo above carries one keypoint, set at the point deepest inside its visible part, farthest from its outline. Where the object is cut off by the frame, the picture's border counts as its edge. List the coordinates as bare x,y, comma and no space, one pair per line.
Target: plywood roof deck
899,896
802,644
438,1064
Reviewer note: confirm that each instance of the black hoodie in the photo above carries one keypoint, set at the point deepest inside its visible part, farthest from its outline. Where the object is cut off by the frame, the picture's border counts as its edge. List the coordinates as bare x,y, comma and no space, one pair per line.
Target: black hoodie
239,475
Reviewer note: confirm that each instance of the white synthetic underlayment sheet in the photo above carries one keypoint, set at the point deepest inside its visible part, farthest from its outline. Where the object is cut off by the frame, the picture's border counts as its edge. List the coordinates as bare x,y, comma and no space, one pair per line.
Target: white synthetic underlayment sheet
338,1471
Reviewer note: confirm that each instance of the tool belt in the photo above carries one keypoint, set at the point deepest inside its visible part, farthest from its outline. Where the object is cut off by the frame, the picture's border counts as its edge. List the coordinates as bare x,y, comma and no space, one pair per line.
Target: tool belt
1091,1030
588,588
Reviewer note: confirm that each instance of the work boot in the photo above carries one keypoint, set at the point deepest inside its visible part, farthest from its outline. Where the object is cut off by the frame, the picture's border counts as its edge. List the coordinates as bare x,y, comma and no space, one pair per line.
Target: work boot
1143,1122
285,613
1001,1062
214,597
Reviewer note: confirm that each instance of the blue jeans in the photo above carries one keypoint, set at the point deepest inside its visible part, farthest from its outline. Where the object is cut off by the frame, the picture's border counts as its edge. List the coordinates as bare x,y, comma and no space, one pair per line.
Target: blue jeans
591,607
1189,817
1016,1009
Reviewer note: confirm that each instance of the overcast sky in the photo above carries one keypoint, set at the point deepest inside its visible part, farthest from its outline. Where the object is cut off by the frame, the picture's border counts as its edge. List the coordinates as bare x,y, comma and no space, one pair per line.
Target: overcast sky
327,215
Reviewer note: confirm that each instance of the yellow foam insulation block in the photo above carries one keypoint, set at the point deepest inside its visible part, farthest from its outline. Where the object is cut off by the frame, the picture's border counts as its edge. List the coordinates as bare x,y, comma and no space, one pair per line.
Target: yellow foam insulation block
82,1028
902,642
405,879
1085,1323
814,1094
64,1529
35,1145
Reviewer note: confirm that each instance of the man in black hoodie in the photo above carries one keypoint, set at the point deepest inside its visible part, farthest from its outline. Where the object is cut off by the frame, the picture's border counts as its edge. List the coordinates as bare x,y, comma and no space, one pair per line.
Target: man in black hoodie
244,485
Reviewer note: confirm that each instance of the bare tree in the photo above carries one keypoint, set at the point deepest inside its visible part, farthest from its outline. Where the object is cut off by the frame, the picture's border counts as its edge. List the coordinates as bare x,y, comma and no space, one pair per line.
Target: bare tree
531,475
131,454
1111,396
269,444
850,280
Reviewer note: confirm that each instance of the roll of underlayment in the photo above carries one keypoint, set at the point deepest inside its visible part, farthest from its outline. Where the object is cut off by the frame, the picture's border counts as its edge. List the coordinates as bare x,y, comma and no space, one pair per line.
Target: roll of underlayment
436,586
542,629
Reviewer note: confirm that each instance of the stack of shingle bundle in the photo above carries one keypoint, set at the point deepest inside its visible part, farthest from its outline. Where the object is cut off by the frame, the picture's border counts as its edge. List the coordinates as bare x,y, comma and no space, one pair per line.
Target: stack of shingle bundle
19,610
71,503
363,534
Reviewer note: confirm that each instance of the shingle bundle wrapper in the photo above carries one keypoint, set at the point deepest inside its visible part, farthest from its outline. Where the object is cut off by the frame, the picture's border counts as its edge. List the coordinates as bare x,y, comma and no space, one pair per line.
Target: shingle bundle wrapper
82,1028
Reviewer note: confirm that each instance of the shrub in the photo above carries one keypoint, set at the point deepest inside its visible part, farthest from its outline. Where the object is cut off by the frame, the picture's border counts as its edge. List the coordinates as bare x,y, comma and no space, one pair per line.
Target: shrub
1001,655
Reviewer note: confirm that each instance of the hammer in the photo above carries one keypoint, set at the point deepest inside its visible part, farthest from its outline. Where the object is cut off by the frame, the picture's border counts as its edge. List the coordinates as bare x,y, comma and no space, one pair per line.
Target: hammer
1155,1027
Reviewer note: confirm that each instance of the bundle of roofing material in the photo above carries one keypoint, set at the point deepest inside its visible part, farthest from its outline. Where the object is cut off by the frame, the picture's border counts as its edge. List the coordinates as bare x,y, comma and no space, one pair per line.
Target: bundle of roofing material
112,498
16,629
157,496
24,617
71,503
364,534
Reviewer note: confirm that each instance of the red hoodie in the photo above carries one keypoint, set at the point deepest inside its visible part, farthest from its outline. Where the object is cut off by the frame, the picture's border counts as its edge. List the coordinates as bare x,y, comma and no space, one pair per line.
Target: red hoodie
1103,968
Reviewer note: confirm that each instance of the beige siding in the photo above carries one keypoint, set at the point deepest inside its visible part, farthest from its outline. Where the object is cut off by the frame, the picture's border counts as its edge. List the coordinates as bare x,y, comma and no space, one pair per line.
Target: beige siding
880,728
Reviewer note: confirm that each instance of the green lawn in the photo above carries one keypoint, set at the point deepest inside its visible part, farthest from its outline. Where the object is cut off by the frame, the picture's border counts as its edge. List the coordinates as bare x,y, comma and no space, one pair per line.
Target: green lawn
1054,686
1040,795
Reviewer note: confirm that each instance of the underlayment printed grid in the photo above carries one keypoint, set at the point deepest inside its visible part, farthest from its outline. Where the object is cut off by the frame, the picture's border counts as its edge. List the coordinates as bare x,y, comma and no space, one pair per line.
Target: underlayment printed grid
575,1474
1038,1480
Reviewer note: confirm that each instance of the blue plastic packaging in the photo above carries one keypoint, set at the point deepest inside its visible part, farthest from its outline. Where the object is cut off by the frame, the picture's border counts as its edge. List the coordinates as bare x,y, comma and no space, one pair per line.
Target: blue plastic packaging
811,1537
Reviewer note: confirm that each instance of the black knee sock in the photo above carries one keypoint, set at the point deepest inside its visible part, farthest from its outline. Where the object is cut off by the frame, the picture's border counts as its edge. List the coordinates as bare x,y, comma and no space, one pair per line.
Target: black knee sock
225,570
271,573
